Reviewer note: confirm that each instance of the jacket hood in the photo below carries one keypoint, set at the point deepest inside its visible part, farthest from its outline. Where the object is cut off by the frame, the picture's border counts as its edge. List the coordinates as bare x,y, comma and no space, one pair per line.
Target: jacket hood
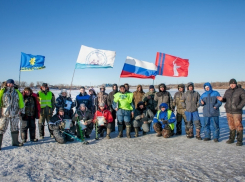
189,84
163,105
29,89
140,87
116,87
63,90
162,84
92,90
140,103
209,85
181,86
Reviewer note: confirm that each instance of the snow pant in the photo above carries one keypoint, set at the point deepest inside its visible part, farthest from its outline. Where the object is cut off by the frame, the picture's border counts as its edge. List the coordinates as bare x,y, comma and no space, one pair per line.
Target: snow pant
193,117
28,123
61,137
215,122
14,123
46,114
235,121
114,115
86,131
123,116
139,123
105,127
180,115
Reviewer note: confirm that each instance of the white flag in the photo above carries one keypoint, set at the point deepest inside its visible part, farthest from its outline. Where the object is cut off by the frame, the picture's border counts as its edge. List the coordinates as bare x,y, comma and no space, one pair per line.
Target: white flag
95,58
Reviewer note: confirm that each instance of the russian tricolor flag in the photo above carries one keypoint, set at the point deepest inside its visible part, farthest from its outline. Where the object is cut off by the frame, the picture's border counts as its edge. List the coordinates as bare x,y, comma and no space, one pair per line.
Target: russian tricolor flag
138,69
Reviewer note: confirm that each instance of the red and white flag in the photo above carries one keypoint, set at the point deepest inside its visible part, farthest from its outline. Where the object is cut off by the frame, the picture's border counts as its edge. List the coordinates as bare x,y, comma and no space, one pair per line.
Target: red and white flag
173,66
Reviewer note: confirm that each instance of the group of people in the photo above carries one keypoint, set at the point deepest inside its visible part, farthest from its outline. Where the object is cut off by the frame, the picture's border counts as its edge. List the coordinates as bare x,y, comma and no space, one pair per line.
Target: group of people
133,111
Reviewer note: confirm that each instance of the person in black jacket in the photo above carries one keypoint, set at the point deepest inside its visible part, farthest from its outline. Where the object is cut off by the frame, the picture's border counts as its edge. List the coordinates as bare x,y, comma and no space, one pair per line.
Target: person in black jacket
235,101
110,99
57,125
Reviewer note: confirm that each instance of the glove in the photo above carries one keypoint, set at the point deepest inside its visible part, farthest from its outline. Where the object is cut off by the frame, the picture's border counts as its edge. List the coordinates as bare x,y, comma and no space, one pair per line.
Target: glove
164,121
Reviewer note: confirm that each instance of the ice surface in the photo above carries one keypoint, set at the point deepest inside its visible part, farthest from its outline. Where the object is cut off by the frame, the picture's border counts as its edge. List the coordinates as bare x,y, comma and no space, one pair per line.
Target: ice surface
146,158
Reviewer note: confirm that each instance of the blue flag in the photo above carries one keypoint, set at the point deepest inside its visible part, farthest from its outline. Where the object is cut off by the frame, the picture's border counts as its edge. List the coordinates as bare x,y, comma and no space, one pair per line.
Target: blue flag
31,62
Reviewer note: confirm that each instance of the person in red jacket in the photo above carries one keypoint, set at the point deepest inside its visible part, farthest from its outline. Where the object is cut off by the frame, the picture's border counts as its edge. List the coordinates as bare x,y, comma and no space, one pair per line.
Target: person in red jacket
103,114
32,112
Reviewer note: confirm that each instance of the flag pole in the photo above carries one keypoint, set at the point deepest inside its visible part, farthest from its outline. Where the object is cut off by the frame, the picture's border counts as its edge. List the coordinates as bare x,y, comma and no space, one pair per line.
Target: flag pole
72,80
19,78
119,81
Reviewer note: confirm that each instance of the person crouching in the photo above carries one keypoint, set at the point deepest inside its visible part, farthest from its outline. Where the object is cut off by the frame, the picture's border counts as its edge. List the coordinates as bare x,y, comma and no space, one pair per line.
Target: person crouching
83,114
163,122
108,119
57,125
142,118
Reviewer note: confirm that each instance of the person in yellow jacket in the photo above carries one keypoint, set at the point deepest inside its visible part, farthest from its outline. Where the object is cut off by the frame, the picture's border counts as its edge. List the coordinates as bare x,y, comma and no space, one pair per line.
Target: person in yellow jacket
47,102
163,122
124,107
11,107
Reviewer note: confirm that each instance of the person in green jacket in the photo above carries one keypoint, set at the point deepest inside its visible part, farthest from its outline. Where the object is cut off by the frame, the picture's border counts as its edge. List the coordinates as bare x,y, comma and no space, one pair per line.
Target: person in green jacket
47,103
11,107
124,107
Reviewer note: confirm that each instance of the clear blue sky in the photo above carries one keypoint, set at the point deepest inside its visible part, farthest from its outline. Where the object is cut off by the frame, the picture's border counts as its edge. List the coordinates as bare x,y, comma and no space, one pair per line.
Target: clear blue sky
211,34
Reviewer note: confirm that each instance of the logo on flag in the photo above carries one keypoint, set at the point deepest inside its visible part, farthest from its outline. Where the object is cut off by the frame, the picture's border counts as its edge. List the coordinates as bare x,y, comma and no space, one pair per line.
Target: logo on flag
173,66
95,58
138,69
31,62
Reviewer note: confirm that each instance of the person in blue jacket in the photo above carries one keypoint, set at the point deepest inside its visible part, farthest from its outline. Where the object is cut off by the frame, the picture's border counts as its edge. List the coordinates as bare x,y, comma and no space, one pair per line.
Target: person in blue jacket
163,122
83,98
211,112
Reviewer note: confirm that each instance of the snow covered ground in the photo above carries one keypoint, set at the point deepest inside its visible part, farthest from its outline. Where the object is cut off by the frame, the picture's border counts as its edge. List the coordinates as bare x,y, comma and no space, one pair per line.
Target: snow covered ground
146,158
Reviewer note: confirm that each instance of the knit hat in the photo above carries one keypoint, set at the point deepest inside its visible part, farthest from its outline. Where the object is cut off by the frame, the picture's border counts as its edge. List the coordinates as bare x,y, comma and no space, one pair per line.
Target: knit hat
10,81
102,104
44,85
63,90
82,87
151,86
82,105
233,81
61,109
122,86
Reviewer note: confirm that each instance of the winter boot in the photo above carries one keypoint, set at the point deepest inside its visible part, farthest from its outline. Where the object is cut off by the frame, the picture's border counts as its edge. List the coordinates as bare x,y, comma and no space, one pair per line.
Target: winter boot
108,132
32,133
1,139
187,132
120,130
232,137
24,136
239,138
15,142
41,130
190,133
128,130
144,133
216,140
206,139
158,129
136,129
198,136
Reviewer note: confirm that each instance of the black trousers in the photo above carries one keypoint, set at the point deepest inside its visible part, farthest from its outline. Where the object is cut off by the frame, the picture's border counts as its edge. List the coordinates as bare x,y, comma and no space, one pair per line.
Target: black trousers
28,123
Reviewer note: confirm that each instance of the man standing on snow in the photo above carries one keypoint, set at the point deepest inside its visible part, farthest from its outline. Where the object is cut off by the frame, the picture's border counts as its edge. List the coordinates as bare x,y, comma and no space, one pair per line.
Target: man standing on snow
138,95
110,99
235,101
148,98
180,110
211,106
32,112
11,106
190,102
123,105
83,98
163,96
102,96
47,103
